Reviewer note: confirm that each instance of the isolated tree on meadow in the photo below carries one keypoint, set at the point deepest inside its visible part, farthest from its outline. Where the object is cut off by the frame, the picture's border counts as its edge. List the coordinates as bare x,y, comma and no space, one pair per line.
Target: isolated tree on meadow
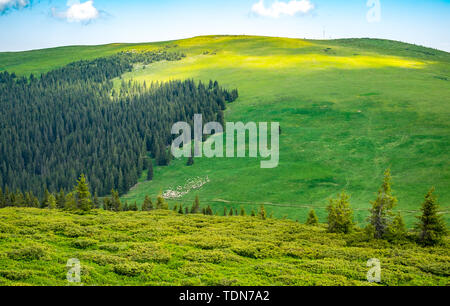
161,203
83,196
312,218
148,204
195,209
431,227
340,215
381,216
262,213
209,211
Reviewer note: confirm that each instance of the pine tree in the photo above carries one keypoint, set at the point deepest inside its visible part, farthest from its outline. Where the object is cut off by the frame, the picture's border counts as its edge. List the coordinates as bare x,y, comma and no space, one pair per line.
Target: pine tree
150,171
180,210
262,214
312,218
61,199
96,201
44,202
115,203
431,227
161,203
83,196
396,231
148,204
51,202
242,213
70,202
340,215
231,212
381,215
195,206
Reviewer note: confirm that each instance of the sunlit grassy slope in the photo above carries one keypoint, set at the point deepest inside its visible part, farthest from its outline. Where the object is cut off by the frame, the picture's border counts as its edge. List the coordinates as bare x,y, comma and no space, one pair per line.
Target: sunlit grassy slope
348,110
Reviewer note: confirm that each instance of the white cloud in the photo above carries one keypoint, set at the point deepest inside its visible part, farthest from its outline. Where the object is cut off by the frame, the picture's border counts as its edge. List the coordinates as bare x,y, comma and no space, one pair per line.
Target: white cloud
6,5
280,8
78,12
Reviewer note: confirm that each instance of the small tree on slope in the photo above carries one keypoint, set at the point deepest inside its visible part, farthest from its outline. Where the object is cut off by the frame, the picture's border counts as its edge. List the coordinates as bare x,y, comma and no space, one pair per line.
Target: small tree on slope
312,218
431,226
381,216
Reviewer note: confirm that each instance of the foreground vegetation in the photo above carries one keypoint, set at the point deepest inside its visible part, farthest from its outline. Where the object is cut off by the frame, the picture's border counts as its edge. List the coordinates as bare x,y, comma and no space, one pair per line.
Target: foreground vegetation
162,247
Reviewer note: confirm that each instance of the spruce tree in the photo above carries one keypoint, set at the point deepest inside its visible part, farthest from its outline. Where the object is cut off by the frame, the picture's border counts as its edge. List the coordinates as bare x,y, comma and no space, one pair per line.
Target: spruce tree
312,218
431,227
61,199
225,212
51,202
161,203
44,202
262,214
148,204
115,203
195,206
150,171
70,202
381,216
340,215
83,196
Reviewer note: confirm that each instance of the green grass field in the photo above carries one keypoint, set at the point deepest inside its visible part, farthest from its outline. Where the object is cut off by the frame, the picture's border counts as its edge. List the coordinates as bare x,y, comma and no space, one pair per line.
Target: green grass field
165,248
348,110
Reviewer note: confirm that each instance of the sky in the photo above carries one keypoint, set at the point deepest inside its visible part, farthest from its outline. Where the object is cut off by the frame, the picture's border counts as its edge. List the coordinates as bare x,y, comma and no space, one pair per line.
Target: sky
36,24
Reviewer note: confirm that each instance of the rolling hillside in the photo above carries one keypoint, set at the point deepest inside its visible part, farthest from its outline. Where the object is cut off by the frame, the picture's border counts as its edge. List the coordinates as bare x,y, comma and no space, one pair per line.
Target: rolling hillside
348,110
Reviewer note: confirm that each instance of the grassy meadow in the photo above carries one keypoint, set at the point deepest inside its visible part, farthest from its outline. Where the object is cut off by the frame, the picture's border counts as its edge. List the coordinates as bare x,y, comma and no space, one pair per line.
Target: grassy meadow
348,110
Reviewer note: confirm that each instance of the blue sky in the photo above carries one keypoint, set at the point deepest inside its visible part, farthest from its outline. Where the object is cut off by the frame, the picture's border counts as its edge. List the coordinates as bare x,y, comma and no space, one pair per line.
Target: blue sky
34,24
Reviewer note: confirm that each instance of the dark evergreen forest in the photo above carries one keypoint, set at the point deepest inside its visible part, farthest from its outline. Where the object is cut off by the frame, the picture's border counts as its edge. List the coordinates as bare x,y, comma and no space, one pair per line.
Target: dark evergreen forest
72,120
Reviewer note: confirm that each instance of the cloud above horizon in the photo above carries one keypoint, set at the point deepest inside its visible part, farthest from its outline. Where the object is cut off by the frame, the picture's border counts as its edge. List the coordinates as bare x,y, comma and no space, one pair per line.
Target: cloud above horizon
6,5
78,12
280,8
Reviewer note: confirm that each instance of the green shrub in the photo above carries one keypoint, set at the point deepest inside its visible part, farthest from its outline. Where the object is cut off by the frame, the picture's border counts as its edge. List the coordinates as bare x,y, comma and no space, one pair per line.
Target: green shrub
15,275
131,268
32,252
84,243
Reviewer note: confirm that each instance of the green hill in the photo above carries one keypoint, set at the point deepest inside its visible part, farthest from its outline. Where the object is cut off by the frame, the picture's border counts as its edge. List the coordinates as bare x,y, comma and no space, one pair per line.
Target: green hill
165,248
348,110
